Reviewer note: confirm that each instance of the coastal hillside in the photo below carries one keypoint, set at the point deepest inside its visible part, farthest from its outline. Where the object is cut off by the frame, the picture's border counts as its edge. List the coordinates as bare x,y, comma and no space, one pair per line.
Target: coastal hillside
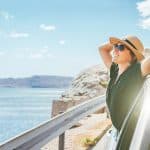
44,81
89,83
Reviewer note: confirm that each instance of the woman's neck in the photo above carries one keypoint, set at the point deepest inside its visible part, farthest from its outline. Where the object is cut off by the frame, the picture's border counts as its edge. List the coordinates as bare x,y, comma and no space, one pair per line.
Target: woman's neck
123,67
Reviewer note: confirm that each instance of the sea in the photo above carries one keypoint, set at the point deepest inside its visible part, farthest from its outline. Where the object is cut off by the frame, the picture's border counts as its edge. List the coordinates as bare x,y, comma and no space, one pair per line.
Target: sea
24,108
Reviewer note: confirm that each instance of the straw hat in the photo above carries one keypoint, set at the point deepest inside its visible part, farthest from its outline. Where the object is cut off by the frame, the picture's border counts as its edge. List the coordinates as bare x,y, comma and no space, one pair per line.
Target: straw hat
131,42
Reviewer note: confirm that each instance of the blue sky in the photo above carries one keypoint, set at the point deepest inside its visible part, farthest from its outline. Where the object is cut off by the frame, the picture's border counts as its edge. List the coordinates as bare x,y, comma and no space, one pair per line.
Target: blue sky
45,37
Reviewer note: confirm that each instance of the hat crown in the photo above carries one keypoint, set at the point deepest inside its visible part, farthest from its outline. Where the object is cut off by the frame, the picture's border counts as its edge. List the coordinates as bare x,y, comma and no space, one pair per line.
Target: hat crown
136,42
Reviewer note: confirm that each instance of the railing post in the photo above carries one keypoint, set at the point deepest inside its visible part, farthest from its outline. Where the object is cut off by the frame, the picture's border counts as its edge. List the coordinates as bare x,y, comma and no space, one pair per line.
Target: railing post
61,139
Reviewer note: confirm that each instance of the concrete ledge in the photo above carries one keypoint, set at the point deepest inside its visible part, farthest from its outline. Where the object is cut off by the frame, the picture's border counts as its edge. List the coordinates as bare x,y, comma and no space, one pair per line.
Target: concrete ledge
61,106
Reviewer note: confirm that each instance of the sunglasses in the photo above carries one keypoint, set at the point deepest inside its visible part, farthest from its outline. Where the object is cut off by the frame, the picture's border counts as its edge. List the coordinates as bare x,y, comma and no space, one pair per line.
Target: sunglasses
119,47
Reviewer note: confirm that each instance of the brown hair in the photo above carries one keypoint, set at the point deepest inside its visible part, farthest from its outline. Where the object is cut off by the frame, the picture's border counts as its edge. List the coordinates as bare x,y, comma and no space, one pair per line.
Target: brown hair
134,58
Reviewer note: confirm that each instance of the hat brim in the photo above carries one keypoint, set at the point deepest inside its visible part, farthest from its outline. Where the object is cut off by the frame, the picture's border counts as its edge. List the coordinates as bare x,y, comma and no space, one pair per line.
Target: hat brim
139,55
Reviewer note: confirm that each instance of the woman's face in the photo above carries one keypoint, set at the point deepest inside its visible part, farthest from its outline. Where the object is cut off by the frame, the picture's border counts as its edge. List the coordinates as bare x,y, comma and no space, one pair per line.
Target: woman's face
120,57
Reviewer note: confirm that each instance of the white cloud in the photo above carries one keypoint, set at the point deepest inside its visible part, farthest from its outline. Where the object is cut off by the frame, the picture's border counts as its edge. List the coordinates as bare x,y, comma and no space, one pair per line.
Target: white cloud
36,55
62,42
41,54
18,35
2,53
45,47
31,53
50,55
6,15
47,27
20,55
44,51
144,10
145,23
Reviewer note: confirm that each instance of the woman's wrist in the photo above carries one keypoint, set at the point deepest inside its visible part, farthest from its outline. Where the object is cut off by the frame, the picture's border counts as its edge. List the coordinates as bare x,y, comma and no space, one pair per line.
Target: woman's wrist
107,46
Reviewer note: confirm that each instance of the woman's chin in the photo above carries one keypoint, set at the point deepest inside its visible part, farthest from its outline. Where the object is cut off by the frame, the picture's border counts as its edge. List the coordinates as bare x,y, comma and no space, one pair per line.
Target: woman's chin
114,60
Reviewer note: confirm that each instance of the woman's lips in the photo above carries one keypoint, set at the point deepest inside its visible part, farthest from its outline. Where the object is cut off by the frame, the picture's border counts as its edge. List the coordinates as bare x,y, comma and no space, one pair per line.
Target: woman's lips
115,56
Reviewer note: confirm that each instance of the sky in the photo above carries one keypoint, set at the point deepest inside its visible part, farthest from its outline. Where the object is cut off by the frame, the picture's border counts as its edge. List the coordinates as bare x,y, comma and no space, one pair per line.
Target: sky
61,37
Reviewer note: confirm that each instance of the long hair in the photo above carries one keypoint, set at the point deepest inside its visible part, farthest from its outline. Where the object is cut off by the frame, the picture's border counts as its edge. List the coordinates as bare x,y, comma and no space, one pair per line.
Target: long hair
134,58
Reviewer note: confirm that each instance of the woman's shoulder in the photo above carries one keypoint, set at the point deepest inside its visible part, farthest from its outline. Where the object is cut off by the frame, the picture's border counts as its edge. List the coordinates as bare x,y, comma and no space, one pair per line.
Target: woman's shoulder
137,71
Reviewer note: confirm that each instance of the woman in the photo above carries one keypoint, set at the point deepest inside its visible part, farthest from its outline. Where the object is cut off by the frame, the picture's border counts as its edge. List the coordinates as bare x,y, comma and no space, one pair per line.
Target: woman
128,69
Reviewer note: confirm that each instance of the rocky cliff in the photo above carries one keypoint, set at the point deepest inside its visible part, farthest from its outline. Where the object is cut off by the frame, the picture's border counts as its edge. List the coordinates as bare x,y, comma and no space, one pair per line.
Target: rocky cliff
87,84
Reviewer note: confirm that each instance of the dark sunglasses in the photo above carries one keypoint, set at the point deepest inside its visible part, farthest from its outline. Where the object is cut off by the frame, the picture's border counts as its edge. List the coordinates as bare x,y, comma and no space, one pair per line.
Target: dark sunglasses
120,47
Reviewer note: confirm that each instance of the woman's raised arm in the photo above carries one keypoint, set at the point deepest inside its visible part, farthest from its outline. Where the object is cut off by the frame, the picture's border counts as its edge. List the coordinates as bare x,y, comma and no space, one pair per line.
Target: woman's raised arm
104,51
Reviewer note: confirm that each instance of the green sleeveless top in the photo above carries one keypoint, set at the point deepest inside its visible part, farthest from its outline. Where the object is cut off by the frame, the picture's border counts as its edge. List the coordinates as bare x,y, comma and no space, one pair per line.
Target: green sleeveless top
121,94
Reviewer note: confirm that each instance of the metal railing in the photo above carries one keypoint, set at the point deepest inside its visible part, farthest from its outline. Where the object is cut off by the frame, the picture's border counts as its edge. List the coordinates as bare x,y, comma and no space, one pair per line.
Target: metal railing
40,135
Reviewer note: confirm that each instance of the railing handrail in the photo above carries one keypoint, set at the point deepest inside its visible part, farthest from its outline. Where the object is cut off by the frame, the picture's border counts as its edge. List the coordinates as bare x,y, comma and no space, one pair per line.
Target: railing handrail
48,130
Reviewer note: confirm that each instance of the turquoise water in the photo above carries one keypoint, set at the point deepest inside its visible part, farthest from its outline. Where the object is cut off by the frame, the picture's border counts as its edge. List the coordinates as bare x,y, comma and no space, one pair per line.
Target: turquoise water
24,108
